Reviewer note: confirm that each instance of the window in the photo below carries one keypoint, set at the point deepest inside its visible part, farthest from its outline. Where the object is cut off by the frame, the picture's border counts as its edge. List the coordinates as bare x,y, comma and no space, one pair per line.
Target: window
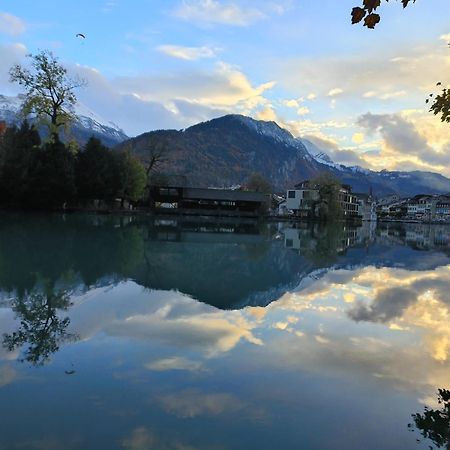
291,194
289,243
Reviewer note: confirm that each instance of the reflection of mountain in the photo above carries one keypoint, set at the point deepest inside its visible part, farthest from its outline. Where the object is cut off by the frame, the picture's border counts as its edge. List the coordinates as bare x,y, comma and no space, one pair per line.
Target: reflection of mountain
225,264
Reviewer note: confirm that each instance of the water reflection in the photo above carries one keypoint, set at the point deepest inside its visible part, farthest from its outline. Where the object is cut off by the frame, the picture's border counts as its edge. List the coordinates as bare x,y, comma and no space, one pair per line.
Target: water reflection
40,329
434,424
229,333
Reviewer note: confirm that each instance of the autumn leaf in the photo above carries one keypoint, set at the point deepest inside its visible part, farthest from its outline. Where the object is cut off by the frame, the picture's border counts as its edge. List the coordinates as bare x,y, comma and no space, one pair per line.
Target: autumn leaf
357,15
371,20
405,2
371,5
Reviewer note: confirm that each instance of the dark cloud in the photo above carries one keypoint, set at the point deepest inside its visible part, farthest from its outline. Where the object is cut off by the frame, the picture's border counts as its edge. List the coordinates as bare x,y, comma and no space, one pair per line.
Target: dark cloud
401,136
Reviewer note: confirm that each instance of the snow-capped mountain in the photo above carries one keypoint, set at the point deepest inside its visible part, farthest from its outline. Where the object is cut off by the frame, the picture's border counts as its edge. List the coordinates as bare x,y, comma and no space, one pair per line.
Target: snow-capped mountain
88,123
226,150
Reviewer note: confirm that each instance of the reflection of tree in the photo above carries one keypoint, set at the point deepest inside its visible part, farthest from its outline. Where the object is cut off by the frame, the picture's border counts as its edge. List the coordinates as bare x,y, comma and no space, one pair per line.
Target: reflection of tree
40,327
434,424
327,239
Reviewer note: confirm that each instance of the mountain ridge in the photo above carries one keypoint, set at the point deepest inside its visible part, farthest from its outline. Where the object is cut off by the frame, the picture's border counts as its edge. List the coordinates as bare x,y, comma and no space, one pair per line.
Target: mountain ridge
88,123
224,151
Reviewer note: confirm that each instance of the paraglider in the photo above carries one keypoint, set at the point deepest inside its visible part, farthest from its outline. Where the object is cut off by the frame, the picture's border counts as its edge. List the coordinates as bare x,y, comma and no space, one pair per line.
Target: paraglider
80,35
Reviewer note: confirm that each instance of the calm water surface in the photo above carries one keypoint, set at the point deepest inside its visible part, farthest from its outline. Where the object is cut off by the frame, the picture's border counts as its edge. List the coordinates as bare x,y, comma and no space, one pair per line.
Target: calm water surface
143,334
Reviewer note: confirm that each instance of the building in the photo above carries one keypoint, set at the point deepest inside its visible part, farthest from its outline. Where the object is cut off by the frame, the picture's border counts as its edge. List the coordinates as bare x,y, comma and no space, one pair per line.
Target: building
366,208
305,200
202,201
442,208
388,200
421,207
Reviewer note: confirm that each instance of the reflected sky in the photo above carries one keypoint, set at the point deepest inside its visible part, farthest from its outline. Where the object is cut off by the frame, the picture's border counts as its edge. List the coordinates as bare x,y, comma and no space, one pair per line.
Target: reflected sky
338,336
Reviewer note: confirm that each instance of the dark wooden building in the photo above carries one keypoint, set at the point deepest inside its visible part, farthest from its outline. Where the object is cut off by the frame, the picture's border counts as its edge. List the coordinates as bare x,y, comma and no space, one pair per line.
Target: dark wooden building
188,200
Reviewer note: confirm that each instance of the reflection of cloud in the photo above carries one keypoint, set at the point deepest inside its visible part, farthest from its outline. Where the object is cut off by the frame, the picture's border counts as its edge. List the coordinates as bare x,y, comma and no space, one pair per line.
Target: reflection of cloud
409,349
192,403
7,375
168,317
388,304
174,363
143,438
212,333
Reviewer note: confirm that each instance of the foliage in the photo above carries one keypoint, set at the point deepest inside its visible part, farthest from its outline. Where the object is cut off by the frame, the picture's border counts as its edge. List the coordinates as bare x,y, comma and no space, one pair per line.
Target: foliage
367,12
52,177
40,327
329,187
441,104
131,178
434,424
49,91
258,183
17,154
95,171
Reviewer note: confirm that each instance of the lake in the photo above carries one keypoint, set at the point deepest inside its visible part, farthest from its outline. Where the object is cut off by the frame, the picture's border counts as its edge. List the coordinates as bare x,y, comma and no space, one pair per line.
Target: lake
140,333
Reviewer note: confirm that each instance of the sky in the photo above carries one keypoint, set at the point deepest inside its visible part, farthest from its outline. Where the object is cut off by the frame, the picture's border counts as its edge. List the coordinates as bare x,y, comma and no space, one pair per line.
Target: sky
152,64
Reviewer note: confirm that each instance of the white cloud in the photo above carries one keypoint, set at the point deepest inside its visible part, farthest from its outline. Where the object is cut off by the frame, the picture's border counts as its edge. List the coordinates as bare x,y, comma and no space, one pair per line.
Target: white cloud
10,54
291,103
334,92
188,53
303,111
403,147
215,12
175,100
11,25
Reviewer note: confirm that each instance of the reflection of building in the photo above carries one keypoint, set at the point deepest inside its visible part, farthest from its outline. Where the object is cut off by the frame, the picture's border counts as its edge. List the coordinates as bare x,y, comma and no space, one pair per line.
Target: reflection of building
186,200
417,235
305,238
305,200
366,208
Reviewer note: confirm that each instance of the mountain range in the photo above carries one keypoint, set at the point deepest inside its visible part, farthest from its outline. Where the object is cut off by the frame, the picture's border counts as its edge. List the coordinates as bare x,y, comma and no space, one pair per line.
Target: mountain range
223,152
87,124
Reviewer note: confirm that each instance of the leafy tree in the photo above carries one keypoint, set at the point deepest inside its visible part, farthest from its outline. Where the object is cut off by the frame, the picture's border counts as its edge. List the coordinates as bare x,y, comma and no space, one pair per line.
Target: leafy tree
17,153
130,177
49,91
95,171
258,183
441,104
40,327
367,12
329,205
434,424
52,178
